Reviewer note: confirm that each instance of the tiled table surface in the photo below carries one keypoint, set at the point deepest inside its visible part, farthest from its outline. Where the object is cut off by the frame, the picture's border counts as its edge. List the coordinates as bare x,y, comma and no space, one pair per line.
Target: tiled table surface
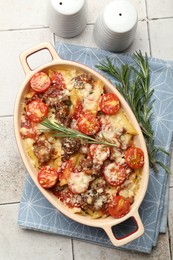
23,24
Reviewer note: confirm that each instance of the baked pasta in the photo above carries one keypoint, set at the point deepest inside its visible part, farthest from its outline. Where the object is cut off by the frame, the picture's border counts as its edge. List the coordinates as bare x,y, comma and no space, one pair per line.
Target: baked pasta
88,157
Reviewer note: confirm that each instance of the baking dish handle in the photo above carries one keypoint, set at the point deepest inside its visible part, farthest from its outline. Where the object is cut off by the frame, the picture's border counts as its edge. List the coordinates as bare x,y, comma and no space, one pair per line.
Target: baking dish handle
128,238
42,46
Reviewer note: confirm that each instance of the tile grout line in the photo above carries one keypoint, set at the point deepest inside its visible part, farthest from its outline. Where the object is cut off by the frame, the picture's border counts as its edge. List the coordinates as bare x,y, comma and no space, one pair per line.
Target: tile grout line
160,18
24,29
40,27
148,30
9,203
1,116
168,226
149,40
72,247
169,237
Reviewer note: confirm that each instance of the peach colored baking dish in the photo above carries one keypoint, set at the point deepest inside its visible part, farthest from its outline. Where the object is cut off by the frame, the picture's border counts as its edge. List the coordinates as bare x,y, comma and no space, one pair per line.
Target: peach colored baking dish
107,223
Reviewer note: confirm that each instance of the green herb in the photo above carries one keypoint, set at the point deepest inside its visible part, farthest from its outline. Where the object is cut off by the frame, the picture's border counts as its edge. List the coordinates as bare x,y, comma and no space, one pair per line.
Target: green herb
62,132
134,85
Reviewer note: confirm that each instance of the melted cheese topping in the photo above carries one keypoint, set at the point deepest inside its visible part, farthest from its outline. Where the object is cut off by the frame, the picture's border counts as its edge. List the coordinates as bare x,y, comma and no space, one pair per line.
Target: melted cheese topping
79,182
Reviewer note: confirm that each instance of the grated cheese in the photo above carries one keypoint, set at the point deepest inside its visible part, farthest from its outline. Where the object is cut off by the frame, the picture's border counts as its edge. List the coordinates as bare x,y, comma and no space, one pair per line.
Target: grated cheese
79,182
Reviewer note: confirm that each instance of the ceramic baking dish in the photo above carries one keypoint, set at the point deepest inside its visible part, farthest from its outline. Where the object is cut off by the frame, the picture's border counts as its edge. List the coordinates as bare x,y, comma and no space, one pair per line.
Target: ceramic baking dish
108,223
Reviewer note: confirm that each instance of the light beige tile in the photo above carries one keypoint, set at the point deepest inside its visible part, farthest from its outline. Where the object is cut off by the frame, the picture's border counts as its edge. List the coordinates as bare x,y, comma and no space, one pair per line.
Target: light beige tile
94,8
95,252
161,38
141,39
13,43
20,244
33,14
12,169
23,14
140,7
86,39
159,9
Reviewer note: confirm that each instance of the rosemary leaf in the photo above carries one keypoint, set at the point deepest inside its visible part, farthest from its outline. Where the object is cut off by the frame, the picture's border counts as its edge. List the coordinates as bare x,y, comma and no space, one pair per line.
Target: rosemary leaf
164,167
62,132
138,95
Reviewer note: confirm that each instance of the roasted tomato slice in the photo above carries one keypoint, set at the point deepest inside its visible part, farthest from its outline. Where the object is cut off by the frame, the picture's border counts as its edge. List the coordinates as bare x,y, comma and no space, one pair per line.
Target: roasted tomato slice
47,177
119,206
114,173
88,123
134,157
109,103
99,153
36,110
40,82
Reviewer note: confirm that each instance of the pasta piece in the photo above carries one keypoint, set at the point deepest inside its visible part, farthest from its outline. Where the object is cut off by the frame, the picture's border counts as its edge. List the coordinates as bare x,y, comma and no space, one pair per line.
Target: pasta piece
91,100
95,214
28,143
76,159
75,99
57,163
131,186
120,120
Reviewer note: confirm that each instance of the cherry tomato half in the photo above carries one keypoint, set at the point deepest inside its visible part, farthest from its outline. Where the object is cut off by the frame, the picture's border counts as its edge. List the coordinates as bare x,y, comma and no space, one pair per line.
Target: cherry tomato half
88,123
109,103
47,177
119,206
40,82
36,110
134,157
114,173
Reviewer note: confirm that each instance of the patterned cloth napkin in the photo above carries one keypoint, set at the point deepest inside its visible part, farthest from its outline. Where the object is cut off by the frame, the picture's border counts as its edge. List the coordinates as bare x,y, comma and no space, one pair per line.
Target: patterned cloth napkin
37,213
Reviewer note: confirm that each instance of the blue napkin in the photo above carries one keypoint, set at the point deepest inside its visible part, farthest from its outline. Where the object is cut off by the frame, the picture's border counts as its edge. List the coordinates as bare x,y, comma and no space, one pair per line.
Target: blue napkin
37,213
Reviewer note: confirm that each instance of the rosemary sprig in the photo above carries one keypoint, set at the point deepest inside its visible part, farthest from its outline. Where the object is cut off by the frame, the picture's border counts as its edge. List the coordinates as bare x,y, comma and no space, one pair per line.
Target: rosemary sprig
61,131
134,85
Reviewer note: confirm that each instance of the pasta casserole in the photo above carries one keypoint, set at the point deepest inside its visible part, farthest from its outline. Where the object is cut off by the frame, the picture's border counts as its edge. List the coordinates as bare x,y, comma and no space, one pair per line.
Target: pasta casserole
81,143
